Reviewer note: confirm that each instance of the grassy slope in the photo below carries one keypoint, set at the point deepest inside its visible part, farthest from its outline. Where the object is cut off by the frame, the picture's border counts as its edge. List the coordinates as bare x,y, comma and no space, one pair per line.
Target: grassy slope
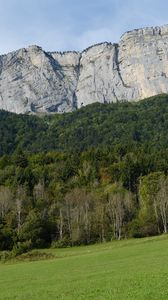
135,269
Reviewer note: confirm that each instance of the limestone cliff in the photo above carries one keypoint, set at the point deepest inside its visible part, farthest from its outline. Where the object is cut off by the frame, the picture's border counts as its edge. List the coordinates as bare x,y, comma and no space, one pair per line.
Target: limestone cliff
32,80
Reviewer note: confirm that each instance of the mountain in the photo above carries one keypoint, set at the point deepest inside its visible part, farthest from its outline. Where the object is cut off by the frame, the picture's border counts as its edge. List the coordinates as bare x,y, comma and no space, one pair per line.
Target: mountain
35,81
124,125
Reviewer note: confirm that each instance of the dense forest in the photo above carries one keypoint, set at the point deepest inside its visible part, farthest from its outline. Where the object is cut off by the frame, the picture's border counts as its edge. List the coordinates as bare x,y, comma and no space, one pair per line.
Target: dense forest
94,175
137,123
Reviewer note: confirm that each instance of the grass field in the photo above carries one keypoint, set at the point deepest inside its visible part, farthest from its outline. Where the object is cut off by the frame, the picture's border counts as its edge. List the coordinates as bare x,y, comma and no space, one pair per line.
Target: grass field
134,269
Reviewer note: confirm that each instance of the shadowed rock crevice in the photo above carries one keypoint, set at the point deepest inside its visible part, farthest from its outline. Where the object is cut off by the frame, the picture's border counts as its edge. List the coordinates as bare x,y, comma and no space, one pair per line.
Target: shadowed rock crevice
117,65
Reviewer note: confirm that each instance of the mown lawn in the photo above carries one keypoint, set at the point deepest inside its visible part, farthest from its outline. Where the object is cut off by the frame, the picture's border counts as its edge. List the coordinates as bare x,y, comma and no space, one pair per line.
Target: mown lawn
134,269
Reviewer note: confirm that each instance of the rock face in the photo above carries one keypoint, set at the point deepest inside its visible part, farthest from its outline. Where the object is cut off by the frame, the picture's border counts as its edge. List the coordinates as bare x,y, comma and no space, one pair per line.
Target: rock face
32,80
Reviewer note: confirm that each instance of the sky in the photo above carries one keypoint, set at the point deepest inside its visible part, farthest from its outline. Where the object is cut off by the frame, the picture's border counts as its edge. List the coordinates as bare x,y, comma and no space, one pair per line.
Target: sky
62,25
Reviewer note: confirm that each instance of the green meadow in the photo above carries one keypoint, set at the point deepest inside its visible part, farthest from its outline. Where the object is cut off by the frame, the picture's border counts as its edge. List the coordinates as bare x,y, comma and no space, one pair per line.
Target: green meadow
128,269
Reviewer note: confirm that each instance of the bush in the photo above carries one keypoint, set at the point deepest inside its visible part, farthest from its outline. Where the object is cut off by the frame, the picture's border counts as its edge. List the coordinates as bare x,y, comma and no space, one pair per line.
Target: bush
63,243
5,255
35,255
21,247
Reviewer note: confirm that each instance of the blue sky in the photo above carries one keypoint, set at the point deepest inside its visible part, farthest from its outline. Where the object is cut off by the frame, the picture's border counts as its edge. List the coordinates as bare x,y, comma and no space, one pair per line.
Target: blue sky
60,25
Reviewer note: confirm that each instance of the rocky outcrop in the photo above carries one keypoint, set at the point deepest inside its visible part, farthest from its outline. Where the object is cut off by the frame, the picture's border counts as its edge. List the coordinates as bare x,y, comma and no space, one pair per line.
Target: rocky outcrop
32,80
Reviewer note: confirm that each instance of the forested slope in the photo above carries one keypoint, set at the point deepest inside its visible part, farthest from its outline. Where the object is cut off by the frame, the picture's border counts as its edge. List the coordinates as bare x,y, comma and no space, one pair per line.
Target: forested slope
144,122
97,174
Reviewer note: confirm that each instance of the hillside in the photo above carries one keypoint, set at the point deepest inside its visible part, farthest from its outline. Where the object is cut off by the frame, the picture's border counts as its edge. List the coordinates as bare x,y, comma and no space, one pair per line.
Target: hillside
116,124
129,270
93,175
